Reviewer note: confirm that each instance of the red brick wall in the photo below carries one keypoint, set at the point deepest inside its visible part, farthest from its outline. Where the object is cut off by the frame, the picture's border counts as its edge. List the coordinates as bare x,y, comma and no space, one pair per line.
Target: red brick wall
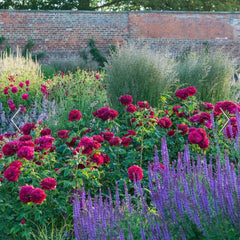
63,33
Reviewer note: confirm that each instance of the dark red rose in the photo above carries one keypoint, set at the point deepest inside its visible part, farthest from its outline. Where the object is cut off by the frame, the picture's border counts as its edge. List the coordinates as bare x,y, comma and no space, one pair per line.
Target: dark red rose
74,115
135,173
25,193
48,183
11,173
46,131
126,99
63,134
97,158
38,195
131,108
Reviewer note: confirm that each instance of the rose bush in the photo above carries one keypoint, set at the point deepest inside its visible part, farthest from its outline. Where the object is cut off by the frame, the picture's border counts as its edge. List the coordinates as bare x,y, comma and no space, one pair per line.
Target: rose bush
40,168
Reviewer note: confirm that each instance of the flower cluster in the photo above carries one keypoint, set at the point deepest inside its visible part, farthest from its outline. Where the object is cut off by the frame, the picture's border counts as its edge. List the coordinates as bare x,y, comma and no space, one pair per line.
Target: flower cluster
198,136
30,194
164,122
229,106
105,113
185,92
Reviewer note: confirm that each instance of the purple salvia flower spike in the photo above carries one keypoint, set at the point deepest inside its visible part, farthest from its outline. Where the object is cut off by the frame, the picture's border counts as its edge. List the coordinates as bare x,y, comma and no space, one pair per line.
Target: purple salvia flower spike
186,158
238,122
142,232
76,216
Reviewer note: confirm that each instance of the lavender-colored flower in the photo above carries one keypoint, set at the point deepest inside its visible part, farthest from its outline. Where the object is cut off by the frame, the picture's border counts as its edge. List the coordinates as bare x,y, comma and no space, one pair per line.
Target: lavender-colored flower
187,192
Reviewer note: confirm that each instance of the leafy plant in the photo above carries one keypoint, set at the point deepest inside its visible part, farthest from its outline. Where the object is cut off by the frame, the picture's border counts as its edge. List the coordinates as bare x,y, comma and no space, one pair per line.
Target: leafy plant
140,73
214,70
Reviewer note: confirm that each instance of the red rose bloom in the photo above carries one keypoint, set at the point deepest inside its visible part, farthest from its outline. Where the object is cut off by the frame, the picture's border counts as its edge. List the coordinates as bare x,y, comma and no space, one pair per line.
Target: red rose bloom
25,152
107,135
17,164
204,144
10,148
21,85
106,158
113,114
126,99
12,107
204,117
131,108
97,158
14,89
226,106
164,122
182,94
130,133
25,96
105,113
171,133
114,141
26,143
126,141
143,104
45,132
27,82
38,195
45,142
63,134
191,91
48,183
25,138
233,121
231,132
98,138
10,102
22,221
194,118
135,173
195,137
25,193
11,173
44,89
183,128
185,92
208,106
96,144
27,128
74,115
87,145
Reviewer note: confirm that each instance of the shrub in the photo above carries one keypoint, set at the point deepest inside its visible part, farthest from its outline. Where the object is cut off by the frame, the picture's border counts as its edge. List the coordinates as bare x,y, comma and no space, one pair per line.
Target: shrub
210,73
137,72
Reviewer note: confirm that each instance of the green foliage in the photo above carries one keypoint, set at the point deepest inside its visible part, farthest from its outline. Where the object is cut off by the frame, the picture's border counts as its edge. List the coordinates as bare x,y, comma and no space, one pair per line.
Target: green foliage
48,71
51,232
78,90
27,49
2,38
210,73
140,73
96,53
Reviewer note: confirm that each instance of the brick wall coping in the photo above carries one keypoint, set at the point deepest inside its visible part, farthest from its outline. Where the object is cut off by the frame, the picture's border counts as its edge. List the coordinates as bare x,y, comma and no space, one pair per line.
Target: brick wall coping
118,12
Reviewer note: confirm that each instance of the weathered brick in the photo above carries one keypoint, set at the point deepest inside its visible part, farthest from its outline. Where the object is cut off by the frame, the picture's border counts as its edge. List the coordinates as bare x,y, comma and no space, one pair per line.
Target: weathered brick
61,34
